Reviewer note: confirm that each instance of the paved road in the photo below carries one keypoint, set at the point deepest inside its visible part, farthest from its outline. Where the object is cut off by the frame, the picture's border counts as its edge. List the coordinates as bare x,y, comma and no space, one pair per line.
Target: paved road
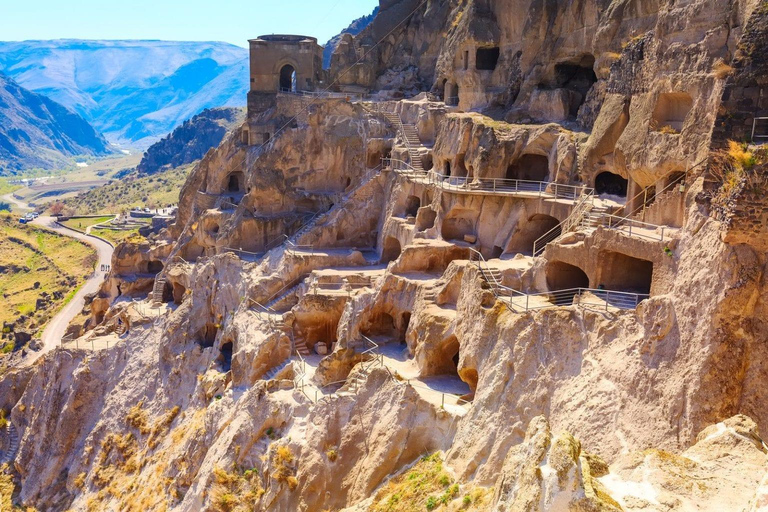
58,325
18,204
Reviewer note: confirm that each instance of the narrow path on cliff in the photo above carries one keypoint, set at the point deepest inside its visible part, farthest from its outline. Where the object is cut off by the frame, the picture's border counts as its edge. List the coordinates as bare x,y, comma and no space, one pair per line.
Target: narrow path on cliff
56,328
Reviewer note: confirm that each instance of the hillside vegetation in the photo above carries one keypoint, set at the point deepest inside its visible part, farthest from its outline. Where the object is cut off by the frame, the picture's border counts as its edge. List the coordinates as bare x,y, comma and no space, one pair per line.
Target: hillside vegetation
157,190
39,271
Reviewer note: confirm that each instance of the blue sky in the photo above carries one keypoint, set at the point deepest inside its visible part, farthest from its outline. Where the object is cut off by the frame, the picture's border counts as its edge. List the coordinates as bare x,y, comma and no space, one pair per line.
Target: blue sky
233,21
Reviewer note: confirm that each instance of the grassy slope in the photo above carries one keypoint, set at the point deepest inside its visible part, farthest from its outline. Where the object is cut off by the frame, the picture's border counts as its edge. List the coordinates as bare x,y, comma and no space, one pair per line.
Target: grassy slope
57,262
157,190
81,224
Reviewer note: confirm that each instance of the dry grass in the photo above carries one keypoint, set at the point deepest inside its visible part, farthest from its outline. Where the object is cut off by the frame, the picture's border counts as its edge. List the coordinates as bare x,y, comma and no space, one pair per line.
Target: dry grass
739,168
82,223
235,491
56,262
138,419
721,70
668,130
426,486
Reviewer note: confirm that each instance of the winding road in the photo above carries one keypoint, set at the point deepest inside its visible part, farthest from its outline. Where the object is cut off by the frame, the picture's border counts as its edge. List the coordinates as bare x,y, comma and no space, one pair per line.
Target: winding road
57,327
11,199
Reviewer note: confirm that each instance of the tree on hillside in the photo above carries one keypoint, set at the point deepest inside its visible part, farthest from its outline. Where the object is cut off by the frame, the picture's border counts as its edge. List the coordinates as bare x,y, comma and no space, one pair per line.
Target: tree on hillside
56,208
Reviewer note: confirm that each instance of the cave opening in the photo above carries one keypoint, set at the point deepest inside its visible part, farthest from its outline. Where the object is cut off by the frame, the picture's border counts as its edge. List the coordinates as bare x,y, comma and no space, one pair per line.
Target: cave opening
529,167
486,59
612,184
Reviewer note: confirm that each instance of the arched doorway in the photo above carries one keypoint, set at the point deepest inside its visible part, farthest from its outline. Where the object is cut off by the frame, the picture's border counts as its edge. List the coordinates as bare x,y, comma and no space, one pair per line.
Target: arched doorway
235,181
288,78
609,183
530,168
391,250
565,280
412,205
537,226
154,266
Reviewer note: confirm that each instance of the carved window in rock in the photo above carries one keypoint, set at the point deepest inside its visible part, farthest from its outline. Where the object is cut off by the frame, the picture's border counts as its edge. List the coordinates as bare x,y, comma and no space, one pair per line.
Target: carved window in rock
486,59
611,184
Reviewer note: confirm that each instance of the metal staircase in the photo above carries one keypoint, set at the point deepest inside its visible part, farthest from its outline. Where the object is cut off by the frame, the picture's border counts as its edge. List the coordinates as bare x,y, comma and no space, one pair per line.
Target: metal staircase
410,136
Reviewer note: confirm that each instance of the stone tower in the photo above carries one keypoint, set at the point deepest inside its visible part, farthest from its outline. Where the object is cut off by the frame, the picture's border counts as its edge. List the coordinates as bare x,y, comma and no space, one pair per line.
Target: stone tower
288,63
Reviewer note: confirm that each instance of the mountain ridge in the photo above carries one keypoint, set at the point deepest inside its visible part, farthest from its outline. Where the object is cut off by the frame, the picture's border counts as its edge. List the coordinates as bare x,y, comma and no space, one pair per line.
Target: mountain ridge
134,91
36,131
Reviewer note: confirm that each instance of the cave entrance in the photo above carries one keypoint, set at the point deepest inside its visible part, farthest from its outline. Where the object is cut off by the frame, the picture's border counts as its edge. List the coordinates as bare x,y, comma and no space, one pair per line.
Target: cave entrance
460,169
235,181
391,250
179,291
167,292
405,321
448,358
486,59
154,267
288,79
206,336
566,280
578,78
612,184
624,273
530,168
537,226
458,224
412,205
671,110
225,356
383,324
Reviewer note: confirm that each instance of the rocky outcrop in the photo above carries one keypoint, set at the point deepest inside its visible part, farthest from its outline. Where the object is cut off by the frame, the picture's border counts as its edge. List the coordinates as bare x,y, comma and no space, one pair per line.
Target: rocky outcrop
192,140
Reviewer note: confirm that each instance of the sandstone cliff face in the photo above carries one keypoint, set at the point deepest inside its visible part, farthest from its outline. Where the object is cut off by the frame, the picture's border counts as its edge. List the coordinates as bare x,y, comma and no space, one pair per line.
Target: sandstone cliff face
321,334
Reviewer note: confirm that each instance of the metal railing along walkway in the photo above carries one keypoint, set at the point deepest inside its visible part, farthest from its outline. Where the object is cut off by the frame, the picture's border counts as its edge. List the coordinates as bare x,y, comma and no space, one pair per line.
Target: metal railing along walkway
518,301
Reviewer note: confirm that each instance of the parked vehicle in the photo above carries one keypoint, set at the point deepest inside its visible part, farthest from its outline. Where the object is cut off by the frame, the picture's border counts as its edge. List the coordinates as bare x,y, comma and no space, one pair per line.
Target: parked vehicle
23,220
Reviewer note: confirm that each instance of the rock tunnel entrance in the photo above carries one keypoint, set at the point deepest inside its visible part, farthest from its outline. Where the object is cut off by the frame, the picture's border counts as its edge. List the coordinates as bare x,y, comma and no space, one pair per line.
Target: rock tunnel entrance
447,362
565,278
529,167
154,267
382,324
612,184
486,59
235,182
578,78
624,273
179,291
459,225
225,356
412,205
288,78
206,336
537,226
391,250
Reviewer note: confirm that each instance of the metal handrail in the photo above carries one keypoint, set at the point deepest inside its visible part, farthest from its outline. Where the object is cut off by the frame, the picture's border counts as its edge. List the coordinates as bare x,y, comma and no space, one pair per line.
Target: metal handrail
542,188
617,222
583,206
567,297
754,128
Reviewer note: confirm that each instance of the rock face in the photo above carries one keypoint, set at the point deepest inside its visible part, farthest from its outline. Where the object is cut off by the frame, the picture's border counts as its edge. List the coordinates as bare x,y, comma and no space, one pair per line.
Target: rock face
402,304
38,132
192,140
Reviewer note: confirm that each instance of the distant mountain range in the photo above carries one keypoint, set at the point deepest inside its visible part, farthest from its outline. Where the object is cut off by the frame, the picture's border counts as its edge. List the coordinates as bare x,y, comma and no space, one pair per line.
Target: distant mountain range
132,91
35,131
192,140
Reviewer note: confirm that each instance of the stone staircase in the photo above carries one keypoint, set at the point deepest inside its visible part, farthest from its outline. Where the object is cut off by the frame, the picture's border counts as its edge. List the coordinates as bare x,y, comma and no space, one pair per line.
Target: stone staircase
353,385
12,443
660,202
157,289
594,218
275,371
300,346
